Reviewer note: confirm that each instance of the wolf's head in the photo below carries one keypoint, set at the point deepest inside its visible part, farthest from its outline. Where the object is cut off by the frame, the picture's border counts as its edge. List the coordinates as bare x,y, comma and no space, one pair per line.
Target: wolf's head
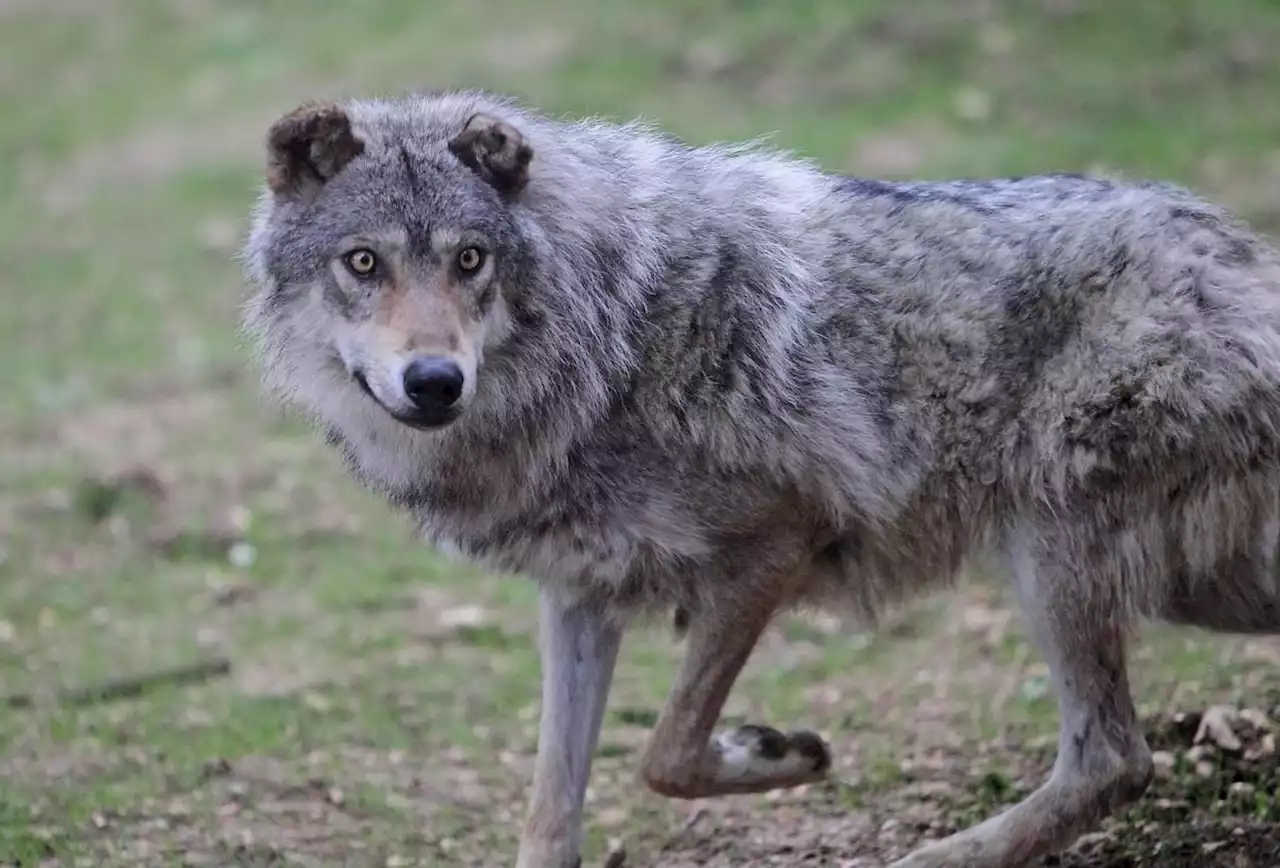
381,249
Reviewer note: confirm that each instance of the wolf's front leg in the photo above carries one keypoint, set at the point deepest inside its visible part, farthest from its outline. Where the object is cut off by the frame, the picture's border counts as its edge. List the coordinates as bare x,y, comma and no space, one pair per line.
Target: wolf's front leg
579,649
683,760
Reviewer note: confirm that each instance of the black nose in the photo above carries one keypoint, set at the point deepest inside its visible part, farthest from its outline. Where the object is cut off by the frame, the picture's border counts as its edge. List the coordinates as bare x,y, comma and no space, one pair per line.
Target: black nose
433,383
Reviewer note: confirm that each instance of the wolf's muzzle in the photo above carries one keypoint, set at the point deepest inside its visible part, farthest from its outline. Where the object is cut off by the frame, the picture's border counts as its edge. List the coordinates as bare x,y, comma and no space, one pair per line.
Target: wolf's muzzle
427,414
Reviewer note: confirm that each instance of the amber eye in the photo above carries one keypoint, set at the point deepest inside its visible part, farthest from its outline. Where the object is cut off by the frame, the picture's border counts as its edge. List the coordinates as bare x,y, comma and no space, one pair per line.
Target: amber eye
362,262
470,259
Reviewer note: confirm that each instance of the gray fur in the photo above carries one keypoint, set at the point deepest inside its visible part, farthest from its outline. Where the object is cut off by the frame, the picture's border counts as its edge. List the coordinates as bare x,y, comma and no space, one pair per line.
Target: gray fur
692,363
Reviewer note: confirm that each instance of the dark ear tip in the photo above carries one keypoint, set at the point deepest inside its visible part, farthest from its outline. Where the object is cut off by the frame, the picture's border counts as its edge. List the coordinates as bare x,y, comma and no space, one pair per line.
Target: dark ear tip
308,120
309,144
495,150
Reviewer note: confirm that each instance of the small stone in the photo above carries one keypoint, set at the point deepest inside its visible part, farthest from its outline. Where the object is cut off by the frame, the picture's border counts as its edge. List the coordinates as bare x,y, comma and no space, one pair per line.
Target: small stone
1257,719
1216,727
1036,687
1090,840
1198,753
1265,747
464,616
242,555
612,817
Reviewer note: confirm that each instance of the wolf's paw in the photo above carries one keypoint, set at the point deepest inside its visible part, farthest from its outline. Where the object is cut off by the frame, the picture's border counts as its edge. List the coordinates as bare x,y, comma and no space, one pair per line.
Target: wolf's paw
755,754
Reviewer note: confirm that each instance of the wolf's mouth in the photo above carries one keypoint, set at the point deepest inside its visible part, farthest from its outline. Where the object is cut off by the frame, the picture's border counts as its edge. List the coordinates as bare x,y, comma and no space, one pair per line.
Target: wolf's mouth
419,419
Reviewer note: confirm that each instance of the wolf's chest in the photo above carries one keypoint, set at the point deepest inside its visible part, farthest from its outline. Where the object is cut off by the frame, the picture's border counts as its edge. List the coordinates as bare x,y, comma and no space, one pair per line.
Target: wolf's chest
559,551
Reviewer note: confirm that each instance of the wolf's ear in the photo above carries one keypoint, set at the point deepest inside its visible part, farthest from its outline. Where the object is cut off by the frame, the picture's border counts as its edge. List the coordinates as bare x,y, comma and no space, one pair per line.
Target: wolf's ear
495,151
307,147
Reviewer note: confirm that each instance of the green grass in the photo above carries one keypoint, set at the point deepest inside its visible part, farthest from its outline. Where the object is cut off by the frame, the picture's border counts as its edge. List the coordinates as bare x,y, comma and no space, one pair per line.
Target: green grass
365,720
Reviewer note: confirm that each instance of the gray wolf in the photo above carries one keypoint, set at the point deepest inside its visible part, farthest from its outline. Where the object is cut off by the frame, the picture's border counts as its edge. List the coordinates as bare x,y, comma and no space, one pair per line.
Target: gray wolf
724,382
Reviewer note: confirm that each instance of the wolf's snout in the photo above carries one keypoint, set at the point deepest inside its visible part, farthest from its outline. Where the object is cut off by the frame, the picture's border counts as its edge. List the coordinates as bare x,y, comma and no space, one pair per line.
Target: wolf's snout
434,384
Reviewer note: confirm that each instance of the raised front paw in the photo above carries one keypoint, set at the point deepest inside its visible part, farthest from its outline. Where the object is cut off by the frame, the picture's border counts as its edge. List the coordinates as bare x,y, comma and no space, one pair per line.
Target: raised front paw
755,757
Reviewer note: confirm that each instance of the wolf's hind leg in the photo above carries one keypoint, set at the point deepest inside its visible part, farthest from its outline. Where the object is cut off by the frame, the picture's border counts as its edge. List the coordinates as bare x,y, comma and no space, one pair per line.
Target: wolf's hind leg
1103,760
683,759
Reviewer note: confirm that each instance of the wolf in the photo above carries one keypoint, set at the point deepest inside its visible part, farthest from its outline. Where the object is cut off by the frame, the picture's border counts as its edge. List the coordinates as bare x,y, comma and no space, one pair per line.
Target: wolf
721,381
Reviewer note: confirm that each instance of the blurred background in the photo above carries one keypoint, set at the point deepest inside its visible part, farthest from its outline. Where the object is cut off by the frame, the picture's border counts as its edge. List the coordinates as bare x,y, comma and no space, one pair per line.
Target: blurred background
215,650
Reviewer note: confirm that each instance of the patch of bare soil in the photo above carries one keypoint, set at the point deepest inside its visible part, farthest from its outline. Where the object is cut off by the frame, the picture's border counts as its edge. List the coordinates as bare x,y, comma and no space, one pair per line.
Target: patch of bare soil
1215,803
1215,800
169,473
343,809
